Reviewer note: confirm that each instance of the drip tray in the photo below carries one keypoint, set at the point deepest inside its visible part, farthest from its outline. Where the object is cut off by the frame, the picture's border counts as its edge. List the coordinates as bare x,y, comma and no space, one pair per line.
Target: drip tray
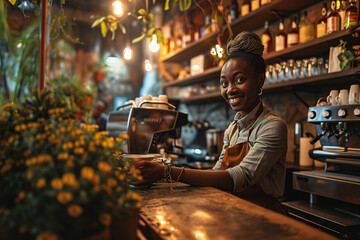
329,218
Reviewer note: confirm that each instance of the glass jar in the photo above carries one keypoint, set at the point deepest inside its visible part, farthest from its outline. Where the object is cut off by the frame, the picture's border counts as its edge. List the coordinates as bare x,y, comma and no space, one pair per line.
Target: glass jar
290,69
314,69
269,74
283,73
305,68
298,72
276,73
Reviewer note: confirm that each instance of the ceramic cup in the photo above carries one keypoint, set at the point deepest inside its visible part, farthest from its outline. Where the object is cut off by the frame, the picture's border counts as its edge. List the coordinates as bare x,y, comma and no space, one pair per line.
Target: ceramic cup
331,99
343,97
354,94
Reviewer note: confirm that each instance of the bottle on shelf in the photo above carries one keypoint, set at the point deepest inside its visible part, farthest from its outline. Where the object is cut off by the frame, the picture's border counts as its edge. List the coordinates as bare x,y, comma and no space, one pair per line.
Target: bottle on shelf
263,2
207,25
306,29
333,20
255,4
321,29
293,34
172,40
245,7
234,10
266,39
280,39
351,15
341,8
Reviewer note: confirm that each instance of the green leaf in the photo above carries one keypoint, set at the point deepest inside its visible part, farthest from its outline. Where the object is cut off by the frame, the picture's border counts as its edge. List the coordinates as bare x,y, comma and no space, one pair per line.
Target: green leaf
138,39
174,3
104,29
220,20
112,30
123,30
151,17
111,17
97,22
142,11
62,2
184,5
213,14
230,30
167,7
154,1
151,31
12,2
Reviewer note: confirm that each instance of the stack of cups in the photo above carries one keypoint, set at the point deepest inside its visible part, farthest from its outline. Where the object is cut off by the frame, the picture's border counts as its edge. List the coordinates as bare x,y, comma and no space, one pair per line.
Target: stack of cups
344,97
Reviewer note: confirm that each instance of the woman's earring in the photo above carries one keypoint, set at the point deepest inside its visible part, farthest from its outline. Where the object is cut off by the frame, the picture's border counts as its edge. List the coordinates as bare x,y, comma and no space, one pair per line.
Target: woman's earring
260,92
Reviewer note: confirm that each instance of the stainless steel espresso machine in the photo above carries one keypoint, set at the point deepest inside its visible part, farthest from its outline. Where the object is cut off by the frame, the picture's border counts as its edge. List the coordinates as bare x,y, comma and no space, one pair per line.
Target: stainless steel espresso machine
151,126
334,193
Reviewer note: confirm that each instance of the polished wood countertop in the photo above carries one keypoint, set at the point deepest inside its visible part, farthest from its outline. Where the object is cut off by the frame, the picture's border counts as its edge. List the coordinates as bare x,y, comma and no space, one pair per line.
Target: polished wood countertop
179,211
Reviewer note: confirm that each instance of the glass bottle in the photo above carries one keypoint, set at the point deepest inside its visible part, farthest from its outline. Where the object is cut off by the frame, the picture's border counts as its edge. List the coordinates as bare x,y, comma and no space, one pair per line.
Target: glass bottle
306,29
245,7
341,8
234,10
280,39
266,39
351,15
333,20
321,29
255,4
263,2
293,34
290,69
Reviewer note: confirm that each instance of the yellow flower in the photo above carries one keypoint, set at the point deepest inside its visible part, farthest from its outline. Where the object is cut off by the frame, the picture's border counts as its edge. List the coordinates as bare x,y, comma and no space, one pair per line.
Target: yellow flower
104,167
87,173
64,197
20,196
96,179
119,189
105,219
134,196
74,210
5,168
121,177
23,229
2,211
124,136
8,105
111,182
40,183
56,183
29,174
47,236
70,179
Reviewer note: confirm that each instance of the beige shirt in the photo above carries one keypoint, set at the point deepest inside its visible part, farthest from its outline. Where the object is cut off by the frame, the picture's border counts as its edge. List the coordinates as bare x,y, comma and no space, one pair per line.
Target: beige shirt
264,163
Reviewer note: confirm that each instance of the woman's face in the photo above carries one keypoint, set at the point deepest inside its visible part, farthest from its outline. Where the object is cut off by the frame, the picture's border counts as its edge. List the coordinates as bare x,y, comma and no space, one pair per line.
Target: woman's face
239,84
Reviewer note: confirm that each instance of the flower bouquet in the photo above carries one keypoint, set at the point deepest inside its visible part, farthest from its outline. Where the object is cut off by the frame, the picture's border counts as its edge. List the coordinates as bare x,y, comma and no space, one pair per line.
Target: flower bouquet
59,179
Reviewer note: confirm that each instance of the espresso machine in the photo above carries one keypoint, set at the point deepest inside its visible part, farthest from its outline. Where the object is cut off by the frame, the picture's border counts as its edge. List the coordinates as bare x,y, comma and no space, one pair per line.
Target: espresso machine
150,126
333,193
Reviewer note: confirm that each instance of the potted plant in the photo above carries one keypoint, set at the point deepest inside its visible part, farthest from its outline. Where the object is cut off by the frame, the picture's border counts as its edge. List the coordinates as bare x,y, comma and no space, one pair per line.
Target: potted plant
60,179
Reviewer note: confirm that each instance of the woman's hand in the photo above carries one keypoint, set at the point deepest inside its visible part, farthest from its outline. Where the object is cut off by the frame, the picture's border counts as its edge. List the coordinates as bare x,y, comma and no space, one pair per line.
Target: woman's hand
150,171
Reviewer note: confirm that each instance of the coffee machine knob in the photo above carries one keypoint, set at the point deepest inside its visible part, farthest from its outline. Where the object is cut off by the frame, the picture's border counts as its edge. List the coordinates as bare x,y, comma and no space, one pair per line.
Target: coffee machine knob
342,113
326,114
311,114
357,112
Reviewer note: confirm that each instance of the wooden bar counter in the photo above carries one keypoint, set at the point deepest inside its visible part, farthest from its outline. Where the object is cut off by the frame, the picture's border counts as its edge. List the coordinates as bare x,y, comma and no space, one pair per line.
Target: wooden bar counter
179,211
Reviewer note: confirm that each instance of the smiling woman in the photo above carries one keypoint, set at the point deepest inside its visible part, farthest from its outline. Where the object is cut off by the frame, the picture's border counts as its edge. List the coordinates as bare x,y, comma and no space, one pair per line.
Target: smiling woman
251,164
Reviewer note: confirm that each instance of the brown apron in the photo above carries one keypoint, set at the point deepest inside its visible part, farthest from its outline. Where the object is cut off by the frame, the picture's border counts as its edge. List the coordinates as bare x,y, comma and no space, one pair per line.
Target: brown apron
233,156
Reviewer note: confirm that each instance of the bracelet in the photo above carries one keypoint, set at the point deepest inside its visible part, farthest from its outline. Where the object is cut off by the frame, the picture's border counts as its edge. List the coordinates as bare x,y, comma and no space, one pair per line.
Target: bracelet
178,178
167,173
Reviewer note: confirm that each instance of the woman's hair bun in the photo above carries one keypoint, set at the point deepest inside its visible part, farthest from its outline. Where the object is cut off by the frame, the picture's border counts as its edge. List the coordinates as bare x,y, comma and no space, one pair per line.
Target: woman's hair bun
248,42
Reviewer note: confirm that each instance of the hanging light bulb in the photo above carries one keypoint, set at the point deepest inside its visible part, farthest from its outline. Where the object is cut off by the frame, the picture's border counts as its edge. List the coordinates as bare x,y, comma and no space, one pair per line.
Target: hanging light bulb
154,46
148,66
127,53
118,8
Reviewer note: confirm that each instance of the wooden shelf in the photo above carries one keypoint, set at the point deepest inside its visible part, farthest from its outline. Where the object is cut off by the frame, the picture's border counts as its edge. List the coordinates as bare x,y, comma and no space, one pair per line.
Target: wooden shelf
251,21
256,19
351,76
210,73
316,47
